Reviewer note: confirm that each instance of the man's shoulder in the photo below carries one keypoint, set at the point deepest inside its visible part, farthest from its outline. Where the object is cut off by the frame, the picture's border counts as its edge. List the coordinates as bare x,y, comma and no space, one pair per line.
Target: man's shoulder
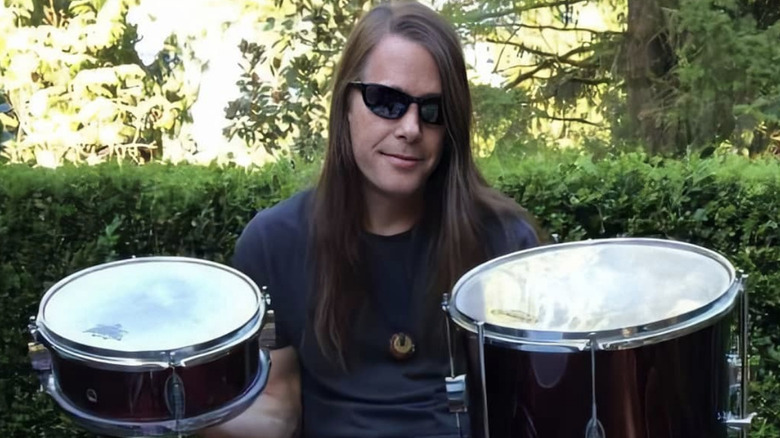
276,230
289,215
509,233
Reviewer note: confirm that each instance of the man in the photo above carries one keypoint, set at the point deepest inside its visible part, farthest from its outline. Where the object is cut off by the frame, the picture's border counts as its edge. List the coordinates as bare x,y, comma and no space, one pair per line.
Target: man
356,267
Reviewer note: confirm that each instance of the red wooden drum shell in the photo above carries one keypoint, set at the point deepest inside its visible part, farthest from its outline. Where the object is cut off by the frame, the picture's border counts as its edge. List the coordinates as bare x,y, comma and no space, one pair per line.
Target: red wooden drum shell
673,389
645,324
144,396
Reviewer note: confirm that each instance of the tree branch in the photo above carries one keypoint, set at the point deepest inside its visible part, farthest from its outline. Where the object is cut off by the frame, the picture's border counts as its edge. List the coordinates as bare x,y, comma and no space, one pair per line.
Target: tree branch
538,52
591,81
571,29
501,53
519,10
571,119
547,63
516,67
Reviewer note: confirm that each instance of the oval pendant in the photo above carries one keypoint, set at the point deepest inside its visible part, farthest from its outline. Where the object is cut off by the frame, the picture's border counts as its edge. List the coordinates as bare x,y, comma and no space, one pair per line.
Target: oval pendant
401,346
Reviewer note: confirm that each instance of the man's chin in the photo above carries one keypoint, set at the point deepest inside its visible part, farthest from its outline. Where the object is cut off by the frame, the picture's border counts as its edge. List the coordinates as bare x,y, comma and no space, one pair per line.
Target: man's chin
399,193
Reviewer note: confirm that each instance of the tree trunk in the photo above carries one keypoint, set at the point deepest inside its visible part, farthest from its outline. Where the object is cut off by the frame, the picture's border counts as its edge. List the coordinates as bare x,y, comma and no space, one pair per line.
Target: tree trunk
648,59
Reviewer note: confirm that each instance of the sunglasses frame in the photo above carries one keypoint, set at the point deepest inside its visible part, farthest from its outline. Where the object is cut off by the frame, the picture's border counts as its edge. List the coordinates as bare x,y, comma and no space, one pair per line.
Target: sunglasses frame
407,101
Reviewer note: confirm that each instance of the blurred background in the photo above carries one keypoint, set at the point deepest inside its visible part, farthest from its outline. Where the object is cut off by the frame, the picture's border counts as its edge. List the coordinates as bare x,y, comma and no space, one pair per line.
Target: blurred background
246,82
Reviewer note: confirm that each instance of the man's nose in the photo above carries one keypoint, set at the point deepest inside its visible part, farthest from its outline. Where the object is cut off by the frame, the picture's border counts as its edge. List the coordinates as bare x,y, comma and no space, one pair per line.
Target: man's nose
410,125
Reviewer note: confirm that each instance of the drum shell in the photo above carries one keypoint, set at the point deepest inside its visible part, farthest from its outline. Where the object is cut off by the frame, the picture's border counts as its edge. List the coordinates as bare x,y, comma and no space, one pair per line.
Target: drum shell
676,388
145,395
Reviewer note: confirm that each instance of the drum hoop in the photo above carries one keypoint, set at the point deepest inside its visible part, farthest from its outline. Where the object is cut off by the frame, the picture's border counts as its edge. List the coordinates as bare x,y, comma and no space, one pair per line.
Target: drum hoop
612,339
151,359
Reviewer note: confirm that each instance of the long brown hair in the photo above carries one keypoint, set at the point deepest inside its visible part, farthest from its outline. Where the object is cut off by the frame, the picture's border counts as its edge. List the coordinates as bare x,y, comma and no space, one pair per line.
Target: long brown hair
457,198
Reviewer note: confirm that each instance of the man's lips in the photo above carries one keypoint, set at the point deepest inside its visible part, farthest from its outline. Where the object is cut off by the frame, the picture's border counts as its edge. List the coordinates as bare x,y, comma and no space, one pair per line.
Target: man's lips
401,156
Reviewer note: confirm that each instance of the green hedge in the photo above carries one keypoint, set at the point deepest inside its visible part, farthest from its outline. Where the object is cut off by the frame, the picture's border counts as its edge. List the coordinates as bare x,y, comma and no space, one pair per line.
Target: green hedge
53,223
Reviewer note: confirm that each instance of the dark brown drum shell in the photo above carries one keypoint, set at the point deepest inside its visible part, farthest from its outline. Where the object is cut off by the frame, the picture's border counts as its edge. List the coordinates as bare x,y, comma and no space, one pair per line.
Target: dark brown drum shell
676,388
147,396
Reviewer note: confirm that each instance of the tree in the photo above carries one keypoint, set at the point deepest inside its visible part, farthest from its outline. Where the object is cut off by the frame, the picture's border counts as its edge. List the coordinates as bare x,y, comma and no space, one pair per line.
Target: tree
74,87
562,65
673,75
294,110
648,62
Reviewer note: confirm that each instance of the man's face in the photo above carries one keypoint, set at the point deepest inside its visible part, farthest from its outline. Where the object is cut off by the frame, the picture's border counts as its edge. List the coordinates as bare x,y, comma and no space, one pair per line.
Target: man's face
396,157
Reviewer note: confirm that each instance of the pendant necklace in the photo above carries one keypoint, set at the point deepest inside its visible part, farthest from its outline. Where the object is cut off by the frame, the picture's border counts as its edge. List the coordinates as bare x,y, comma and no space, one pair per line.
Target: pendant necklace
401,344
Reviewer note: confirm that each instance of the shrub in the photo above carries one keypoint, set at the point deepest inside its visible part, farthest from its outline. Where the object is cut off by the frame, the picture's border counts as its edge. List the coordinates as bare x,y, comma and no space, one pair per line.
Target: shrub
55,222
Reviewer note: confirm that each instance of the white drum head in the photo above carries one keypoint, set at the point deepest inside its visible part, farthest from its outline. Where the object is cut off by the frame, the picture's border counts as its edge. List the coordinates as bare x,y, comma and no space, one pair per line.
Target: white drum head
593,289
153,304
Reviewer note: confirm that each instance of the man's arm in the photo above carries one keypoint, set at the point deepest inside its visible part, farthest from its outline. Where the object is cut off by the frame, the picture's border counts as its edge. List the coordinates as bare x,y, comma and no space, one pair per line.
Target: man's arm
277,411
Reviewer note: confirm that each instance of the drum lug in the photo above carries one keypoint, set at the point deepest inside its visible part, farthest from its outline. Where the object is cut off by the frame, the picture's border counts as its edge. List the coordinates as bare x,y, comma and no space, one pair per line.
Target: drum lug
175,396
32,327
740,424
734,362
39,356
739,371
265,295
457,398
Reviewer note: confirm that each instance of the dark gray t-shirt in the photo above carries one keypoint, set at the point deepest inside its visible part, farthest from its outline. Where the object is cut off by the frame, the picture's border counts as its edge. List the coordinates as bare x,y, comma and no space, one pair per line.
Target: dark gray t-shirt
380,397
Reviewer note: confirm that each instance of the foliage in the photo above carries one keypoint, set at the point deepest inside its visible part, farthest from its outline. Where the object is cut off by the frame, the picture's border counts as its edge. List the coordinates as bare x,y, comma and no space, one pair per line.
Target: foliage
501,117
561,61
544,74
78,91
729,90
303,57
276,113
53,223
701,73
7,122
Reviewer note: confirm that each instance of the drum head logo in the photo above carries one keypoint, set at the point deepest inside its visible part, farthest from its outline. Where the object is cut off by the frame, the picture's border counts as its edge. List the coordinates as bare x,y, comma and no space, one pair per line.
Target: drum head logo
114,332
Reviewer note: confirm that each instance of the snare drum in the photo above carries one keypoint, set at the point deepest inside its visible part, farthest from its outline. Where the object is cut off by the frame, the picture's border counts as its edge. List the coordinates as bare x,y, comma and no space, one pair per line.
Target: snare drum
151,346
616,338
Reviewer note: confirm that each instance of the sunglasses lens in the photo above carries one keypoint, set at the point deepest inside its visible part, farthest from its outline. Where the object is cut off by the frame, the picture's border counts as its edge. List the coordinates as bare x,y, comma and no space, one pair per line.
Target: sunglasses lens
385,102
430,112
392,104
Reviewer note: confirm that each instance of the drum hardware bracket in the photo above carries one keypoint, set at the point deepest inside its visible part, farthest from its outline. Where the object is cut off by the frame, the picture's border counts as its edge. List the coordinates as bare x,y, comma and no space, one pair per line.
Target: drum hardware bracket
481,340
174,394
32,327
741,424
457,396
39,355
265,295
594,428
739,368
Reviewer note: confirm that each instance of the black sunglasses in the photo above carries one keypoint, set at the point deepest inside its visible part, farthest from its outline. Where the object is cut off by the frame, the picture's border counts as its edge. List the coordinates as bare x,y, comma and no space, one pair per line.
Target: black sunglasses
392,104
